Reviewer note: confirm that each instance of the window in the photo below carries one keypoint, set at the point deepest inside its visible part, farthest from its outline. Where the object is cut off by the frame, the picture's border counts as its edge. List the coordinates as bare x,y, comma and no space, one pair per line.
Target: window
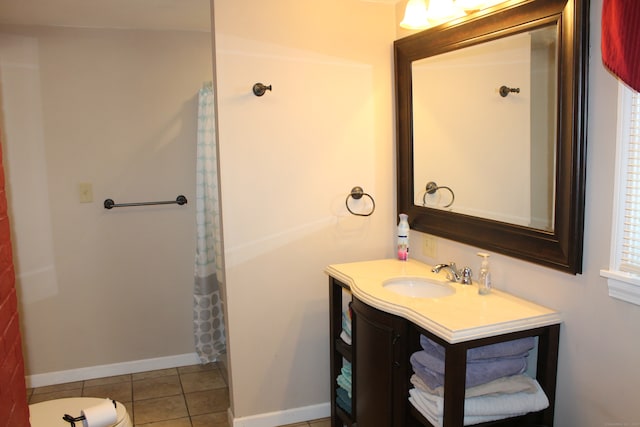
624,272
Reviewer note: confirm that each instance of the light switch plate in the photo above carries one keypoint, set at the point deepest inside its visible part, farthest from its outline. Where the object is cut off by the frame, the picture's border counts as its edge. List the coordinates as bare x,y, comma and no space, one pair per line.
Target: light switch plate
85,190
430,246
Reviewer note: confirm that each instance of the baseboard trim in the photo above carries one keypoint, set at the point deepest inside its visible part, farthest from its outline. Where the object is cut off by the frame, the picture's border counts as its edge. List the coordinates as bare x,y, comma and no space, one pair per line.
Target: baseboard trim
285,417
100,371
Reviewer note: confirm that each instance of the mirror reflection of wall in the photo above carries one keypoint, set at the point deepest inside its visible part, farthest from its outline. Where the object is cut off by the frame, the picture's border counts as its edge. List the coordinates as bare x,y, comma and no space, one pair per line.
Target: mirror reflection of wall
495,152
544,54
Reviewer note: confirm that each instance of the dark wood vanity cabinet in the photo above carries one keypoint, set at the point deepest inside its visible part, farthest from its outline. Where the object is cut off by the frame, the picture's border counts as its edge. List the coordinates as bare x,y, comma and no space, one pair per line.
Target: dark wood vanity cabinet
382,344
381,349
379,364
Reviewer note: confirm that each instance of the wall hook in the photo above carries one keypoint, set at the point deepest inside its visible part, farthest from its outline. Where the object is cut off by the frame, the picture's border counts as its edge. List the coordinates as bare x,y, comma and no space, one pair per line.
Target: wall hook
505,90
259,89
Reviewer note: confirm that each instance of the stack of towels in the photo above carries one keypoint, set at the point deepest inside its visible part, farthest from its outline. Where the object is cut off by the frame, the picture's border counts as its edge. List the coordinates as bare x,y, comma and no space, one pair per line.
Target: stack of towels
346,318
343,392
496,386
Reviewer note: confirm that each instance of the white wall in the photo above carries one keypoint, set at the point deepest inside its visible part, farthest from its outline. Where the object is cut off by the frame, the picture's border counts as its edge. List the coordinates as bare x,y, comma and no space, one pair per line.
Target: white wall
288,161
117,109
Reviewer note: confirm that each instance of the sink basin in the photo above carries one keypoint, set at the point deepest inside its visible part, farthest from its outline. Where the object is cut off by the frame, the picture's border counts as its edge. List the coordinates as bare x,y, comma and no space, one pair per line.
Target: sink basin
418,287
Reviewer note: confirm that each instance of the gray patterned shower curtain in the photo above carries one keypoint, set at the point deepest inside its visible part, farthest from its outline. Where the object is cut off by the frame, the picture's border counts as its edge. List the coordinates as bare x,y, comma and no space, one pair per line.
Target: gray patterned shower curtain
208,319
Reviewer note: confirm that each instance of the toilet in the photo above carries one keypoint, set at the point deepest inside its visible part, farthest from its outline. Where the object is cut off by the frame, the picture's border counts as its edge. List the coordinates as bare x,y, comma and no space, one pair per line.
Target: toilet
50,413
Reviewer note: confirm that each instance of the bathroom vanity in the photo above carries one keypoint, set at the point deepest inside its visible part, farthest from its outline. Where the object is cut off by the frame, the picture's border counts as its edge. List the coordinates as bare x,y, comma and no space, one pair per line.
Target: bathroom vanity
393,303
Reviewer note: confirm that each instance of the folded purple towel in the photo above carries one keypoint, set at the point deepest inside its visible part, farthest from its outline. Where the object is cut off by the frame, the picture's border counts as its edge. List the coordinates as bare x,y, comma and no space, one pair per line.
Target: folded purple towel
431,379
513,348
431,369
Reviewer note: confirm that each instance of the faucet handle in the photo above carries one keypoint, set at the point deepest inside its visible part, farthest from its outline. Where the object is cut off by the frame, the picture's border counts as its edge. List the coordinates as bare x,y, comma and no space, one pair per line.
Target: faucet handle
453,266
466,276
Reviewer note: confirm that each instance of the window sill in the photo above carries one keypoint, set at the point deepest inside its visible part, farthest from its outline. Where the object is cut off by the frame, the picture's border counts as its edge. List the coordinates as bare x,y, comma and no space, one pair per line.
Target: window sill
623,286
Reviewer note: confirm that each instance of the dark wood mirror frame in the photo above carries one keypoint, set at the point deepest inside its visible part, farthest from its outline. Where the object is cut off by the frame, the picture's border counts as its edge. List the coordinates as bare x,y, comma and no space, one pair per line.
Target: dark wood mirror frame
561,248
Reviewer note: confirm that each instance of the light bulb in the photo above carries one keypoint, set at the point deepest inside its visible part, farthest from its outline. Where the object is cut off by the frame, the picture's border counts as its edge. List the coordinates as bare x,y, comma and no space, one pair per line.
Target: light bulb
441,10
415,15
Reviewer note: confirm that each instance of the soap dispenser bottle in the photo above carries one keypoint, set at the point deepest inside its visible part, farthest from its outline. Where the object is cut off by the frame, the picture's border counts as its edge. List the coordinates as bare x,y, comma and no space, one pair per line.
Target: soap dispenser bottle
403,238
484,277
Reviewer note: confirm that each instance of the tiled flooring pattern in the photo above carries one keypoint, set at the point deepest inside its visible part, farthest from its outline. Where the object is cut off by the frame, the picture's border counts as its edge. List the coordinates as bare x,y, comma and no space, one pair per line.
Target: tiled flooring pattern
190,396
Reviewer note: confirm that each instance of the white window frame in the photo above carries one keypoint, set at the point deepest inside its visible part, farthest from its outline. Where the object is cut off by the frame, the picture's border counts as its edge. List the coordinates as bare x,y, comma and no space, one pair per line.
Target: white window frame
622,285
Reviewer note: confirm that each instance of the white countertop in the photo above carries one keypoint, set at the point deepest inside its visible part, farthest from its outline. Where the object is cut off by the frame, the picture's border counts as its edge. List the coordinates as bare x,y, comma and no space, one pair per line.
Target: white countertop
462,316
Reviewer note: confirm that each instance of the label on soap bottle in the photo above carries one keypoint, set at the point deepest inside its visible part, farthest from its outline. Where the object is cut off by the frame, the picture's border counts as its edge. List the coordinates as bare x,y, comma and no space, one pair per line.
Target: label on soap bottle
403,238
403,248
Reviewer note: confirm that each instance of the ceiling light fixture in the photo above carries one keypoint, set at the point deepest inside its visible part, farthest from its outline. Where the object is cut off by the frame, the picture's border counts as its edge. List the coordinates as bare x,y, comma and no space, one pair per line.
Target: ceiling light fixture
417,16
442,10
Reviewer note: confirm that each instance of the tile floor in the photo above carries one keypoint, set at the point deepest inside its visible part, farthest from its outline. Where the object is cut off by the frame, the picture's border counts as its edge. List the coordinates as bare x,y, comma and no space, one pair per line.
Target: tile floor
189,396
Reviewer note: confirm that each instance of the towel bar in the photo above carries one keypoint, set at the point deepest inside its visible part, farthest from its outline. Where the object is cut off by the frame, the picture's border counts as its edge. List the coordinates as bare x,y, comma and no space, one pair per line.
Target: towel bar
180,200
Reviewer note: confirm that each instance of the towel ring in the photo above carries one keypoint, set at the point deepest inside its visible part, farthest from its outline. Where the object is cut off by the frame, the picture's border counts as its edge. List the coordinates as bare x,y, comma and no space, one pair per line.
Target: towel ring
357,193
432,187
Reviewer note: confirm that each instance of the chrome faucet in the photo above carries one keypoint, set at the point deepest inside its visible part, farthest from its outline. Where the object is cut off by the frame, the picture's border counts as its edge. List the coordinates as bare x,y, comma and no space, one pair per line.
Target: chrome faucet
452,271
453,274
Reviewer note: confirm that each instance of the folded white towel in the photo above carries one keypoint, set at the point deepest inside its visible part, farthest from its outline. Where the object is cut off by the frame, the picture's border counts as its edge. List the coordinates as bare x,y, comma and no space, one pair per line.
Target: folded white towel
494,407
346,321
346,299
345,337
437,421
504,385
514,403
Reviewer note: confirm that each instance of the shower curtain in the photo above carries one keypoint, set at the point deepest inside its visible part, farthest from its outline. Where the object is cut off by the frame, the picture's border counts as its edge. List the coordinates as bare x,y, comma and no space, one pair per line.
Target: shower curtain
209,330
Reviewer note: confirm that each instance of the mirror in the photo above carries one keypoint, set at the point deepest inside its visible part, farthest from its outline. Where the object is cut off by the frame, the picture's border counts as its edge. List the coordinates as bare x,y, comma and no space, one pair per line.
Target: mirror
457,102
491,132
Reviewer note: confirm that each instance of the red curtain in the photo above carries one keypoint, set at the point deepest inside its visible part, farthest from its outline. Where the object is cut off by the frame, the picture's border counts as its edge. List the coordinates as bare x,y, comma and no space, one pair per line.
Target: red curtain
621,39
